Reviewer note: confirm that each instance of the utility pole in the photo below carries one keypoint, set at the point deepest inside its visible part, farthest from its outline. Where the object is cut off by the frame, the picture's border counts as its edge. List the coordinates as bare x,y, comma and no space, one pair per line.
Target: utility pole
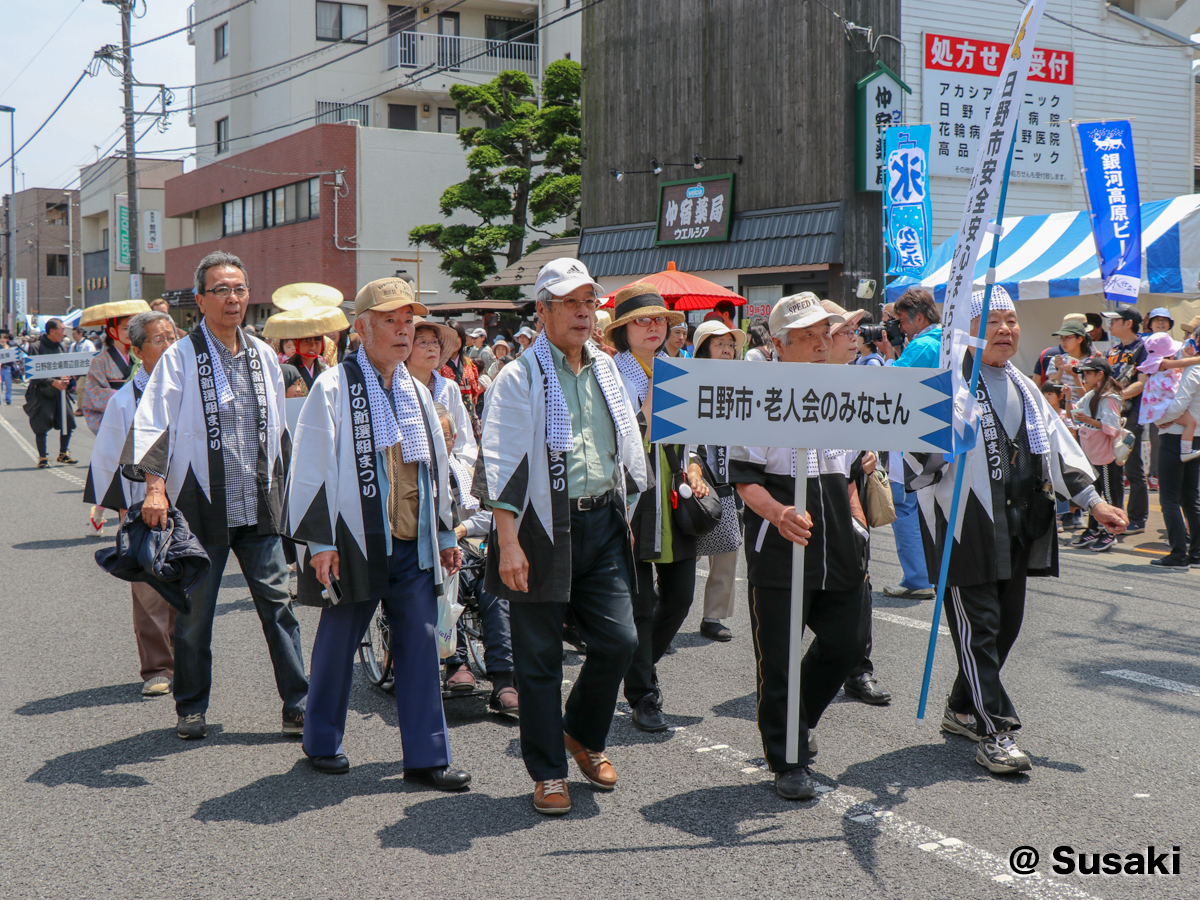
126,9
70,257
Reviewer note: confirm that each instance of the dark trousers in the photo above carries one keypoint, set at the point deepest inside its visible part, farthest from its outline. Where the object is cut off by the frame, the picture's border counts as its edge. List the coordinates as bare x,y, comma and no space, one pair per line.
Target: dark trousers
1179,494
658,615
261,559
1111,485
836,648
64,441
494,621
865,666
985,620
411,608
1135,471
601,599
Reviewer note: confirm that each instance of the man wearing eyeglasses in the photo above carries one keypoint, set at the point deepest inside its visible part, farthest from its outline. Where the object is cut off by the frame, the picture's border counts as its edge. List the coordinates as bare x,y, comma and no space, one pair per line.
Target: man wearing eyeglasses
561,452
210,437
150,334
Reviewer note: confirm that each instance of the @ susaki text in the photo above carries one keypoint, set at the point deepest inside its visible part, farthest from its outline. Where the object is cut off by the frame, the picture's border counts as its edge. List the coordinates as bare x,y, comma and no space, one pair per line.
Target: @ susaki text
1069,860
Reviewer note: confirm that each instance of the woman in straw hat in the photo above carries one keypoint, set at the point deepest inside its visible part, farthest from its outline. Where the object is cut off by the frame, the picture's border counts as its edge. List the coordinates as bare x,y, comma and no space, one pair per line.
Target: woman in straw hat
307,327
660,548
113,366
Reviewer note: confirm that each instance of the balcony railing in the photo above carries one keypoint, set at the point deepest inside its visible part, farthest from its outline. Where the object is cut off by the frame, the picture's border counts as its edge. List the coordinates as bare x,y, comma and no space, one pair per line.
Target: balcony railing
418,50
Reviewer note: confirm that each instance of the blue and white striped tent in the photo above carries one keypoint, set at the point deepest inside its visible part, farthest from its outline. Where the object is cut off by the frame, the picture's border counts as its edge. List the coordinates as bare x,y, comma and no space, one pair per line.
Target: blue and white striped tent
1046,257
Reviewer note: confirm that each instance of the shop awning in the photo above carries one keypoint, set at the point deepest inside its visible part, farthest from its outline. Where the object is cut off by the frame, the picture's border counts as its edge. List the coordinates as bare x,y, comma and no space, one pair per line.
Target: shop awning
1042,257
524,271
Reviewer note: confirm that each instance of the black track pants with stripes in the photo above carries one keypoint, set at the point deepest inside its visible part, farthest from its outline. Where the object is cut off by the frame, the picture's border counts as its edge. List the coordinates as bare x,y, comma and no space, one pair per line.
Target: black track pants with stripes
985,620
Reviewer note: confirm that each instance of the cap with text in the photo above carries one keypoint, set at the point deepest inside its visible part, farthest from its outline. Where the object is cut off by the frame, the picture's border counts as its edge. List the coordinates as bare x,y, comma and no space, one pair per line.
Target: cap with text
800,311
385,295
563,275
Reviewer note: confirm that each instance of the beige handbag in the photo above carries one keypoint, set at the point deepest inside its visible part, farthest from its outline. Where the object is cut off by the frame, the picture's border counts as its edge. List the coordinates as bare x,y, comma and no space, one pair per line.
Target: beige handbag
880,509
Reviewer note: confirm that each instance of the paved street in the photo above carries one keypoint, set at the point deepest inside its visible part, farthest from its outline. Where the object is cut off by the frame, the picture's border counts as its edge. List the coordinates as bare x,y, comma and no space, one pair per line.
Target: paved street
100,799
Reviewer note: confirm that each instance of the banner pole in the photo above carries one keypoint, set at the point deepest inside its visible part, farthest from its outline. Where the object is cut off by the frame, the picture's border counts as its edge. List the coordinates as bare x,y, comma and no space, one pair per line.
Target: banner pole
796,628
977,360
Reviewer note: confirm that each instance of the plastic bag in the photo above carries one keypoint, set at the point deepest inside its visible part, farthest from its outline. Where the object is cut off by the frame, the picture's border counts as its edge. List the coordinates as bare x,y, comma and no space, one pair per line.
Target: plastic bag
449,609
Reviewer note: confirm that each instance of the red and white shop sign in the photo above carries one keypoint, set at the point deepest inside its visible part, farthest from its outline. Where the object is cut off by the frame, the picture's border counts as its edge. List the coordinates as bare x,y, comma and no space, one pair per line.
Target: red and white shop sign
975,57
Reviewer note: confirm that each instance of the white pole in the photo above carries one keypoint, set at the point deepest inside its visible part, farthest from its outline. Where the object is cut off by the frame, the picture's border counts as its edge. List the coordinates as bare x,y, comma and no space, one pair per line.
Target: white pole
796,632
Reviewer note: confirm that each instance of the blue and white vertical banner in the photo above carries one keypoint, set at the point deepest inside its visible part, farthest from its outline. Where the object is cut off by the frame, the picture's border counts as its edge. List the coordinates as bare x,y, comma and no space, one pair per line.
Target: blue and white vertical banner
987,182
1110,174
908,206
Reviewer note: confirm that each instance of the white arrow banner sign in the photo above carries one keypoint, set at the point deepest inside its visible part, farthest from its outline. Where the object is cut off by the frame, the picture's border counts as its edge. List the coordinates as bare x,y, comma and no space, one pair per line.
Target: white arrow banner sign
57,365
9,354
811,405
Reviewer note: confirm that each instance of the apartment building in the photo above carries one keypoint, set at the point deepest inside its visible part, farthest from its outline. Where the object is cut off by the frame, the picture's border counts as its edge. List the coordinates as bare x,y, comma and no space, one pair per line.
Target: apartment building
45,249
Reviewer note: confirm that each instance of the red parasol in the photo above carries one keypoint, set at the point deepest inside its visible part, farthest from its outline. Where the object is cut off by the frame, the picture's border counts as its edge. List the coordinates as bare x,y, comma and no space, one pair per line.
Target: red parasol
683,291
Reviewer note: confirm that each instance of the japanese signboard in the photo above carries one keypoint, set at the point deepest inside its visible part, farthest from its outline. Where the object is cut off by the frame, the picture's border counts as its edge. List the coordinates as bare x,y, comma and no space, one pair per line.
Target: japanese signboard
758,404
152,231
878,103
958,87
907,204
694,211
986,185
20,298
58,365
1110,175
122,220
9,355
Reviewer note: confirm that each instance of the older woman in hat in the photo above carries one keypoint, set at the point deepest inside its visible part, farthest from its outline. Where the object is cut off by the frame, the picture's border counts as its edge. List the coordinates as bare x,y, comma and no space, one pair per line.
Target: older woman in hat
307,326
715,340
639,331
432,346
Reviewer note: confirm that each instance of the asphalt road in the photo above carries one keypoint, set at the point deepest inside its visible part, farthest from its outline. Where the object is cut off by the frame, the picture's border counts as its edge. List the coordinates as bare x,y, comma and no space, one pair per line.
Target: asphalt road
98,798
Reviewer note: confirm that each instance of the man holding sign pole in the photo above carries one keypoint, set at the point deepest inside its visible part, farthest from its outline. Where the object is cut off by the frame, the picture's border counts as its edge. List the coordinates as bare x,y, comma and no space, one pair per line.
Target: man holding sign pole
45,404
834,533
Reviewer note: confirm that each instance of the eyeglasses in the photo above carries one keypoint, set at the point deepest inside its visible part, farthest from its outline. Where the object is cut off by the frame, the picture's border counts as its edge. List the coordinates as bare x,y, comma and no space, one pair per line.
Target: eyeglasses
163,340
573,304
224,291
646,321
426,343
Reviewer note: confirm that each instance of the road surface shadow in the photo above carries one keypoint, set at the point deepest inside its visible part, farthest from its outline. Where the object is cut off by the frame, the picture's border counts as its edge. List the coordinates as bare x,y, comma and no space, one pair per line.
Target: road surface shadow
55,543
110,695
1090,675
739,708
96,767
450,823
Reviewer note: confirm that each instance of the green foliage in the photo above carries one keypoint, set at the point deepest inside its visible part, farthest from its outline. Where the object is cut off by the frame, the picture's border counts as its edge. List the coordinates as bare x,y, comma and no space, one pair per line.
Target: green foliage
523,171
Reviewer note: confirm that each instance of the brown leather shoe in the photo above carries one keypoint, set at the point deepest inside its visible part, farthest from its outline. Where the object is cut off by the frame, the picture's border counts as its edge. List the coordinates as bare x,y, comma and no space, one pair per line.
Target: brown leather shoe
461,680
595,766
550,797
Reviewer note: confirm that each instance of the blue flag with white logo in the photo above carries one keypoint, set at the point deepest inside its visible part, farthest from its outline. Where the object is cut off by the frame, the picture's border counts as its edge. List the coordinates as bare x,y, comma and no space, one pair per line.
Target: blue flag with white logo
908,208
1110,174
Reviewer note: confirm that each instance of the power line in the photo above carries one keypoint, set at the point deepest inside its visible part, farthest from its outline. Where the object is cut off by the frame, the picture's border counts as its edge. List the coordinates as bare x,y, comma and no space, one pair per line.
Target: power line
82,75
1105,37
188,27
74,10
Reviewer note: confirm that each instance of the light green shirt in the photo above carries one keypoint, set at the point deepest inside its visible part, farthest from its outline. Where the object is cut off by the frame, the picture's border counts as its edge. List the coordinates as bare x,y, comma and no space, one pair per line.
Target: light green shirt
592,462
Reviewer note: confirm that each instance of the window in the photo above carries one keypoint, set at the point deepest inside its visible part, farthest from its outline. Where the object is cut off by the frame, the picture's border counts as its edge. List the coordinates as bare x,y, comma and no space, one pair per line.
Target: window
447,120
104,239
314,198
497,28
223,135
221,41
56,214
332,112
402,116
278,206
341,22
56,265
401,18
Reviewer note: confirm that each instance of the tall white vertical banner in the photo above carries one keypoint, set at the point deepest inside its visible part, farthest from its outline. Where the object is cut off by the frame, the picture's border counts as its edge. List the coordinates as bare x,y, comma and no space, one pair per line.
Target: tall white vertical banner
986,183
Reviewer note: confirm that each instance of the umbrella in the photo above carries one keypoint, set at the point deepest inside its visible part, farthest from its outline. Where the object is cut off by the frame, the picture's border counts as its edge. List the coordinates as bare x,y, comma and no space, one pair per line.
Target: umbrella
683,291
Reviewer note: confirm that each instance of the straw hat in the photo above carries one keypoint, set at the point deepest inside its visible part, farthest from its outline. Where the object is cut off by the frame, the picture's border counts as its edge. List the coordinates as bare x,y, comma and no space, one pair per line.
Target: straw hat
714,328
447,335
604,317
305,294
637,300
851,318
305,322
117,309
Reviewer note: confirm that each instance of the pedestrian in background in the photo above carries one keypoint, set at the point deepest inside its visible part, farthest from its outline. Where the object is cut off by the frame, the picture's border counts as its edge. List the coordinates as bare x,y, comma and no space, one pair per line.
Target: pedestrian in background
44,399
1097,416
6,368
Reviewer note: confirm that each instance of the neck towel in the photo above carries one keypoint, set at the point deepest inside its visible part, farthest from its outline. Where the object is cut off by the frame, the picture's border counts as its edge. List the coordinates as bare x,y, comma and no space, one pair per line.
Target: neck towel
1039,443
141,378
812,468
220,382
407,425
558,417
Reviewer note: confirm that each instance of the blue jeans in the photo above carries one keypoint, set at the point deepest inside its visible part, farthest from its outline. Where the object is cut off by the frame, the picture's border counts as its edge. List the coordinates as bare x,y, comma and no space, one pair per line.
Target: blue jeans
6,380
261,559
907,529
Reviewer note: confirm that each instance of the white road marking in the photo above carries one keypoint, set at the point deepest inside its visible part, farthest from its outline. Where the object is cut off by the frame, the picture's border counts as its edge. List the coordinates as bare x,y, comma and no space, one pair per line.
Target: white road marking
907,620
31,452
1166,684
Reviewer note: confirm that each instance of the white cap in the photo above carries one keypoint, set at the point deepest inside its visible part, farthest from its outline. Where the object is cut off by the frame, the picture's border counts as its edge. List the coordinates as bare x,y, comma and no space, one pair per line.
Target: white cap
479,332
563,275
526,331
800,311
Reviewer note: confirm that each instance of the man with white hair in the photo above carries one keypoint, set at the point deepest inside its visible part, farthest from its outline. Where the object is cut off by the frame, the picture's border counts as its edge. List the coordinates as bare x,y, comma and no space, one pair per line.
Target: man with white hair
834,529
561,453
1023,458
369,493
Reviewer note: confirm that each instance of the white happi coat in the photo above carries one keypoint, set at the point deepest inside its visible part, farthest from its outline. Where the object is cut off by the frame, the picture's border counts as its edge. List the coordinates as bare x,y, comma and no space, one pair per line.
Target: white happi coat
516,469
106,485
172,434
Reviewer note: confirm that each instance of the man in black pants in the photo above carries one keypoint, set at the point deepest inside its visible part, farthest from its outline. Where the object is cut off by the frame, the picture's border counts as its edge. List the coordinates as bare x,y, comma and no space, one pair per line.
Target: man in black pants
834,564
44,403
1179,481
1125,355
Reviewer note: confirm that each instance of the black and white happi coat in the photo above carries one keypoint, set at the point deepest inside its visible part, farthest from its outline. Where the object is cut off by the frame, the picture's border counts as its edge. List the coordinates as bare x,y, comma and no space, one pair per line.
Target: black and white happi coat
982,543
177,434
517,467
334,492
107,485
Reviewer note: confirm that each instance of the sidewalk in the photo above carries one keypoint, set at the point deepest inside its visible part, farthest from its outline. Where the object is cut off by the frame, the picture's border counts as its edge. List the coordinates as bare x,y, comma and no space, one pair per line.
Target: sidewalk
1150,543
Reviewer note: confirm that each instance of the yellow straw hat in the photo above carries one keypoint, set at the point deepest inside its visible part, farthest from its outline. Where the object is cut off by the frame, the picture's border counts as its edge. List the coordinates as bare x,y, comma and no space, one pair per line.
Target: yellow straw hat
304,323
305,294
117,309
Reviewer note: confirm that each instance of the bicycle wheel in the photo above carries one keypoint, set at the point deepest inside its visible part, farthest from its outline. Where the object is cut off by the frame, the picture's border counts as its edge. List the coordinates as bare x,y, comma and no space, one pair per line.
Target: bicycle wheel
375,653
472,630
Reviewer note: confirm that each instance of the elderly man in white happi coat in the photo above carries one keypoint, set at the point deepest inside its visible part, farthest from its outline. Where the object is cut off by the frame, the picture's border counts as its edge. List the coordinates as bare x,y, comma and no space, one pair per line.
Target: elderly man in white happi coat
369,493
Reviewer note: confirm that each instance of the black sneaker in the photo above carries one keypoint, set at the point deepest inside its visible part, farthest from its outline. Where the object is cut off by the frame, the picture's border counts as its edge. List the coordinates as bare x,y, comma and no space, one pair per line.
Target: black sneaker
1195,562
999,753
647,715
960,723
1103,542
191,728
293,724
1135,528
795,784
1085,539
1168,562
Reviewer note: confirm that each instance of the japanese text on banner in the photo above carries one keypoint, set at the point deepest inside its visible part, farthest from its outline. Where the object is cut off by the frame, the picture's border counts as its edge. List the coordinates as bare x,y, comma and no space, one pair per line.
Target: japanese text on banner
1110,174
907,199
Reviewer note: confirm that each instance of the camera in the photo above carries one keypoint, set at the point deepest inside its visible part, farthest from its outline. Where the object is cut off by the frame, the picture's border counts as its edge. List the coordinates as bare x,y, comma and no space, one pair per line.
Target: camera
875,333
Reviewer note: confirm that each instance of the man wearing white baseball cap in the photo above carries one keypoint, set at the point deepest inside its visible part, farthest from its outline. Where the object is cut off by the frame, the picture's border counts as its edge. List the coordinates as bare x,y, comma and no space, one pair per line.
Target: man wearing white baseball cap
834,530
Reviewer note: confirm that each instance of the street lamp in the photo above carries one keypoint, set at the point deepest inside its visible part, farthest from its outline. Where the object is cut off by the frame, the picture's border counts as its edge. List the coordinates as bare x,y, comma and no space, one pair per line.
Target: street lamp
12,166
